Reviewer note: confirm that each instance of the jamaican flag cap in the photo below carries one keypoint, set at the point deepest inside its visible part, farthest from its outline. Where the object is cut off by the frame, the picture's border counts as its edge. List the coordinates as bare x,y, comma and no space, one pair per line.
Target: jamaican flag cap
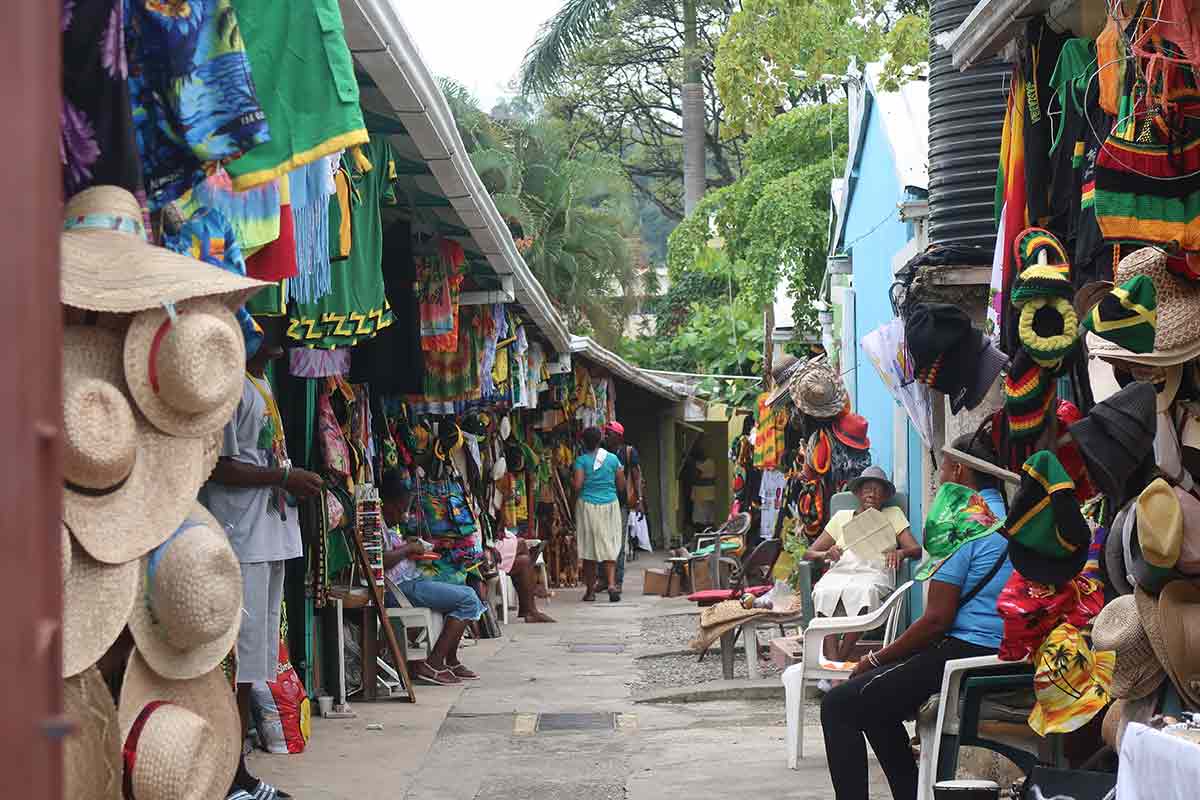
1048,537
1127,316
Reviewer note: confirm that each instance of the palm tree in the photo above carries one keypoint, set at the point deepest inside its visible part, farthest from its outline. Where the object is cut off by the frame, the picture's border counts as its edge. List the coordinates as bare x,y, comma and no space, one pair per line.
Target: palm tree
571,29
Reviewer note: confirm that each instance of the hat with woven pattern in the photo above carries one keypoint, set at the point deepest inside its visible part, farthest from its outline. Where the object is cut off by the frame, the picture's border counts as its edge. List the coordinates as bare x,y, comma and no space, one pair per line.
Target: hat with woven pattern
92,752
97,601
189,615
181,739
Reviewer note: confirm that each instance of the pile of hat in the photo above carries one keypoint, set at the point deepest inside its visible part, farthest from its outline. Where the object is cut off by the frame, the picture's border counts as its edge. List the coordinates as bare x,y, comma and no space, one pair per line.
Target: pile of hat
950,355
147,390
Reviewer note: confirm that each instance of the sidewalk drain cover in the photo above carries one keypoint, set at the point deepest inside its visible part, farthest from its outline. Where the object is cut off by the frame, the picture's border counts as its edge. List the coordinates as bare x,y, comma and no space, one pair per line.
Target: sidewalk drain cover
575,722
596,648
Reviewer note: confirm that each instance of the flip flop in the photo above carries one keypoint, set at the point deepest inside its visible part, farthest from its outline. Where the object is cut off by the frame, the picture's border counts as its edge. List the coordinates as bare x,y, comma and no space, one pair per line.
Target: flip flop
461,672
439,677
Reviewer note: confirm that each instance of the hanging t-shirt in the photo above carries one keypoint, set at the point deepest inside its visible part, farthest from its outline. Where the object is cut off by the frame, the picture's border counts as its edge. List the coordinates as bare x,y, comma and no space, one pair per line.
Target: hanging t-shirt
305,79
771,495
257,530
98,144
194,100
356,308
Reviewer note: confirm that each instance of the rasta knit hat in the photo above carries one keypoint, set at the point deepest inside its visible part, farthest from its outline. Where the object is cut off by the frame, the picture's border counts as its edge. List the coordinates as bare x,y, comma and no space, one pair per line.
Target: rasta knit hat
1029,393
1048,329
1032,242
943,345
1127,315
1048,537
1041,281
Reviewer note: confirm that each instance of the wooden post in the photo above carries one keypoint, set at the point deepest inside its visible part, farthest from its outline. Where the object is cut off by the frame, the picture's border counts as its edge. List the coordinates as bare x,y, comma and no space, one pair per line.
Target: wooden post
381,610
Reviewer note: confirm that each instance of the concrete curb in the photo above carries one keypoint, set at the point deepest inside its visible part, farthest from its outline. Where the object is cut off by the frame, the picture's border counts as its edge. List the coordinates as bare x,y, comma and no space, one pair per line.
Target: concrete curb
737,689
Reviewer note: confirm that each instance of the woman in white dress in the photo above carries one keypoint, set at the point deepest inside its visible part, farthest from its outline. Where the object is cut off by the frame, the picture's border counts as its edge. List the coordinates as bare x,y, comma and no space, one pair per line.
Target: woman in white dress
854,585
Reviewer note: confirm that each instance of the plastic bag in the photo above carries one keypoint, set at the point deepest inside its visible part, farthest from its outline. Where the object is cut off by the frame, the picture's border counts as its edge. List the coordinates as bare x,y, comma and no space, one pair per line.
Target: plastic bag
639,531
282,713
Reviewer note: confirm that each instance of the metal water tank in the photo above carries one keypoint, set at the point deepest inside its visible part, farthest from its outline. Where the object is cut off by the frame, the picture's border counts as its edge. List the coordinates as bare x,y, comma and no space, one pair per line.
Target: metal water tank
966,118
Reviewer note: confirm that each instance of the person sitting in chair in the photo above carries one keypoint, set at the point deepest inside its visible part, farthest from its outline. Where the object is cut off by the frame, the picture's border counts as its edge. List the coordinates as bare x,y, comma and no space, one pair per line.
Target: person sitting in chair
458,603
889,685
853,585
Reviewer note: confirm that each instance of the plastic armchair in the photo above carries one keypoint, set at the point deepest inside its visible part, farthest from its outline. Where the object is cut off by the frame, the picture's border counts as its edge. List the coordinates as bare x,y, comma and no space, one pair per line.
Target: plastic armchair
940,731
810,670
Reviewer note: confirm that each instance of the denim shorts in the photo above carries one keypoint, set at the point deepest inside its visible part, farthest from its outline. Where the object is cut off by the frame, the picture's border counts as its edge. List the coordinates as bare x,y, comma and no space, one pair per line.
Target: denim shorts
453,600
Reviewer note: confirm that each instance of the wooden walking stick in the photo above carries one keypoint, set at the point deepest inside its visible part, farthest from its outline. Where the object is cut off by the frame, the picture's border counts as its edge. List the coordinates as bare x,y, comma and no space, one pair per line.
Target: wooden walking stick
381,611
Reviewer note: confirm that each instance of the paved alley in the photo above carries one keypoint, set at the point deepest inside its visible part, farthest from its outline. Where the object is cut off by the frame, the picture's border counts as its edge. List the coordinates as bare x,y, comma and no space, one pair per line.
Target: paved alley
556,717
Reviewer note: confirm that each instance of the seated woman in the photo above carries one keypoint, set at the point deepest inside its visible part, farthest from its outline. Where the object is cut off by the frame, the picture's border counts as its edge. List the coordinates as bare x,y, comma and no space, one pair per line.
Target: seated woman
960,621
855,586
518,558
458,603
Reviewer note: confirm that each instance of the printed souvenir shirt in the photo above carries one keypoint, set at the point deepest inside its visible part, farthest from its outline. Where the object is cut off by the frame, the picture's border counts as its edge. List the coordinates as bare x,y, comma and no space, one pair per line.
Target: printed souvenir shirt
257,531
356,307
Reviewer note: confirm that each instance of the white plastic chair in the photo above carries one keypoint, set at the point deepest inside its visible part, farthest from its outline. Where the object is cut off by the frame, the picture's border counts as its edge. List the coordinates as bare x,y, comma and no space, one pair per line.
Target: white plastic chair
415,617
810,670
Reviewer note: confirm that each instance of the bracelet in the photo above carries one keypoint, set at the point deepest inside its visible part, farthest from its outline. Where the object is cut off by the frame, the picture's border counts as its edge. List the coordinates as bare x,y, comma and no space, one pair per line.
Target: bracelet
287,472
874,662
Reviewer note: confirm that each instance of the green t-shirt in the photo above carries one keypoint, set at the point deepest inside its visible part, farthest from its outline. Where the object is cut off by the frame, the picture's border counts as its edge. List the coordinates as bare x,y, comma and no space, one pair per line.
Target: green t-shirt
355,308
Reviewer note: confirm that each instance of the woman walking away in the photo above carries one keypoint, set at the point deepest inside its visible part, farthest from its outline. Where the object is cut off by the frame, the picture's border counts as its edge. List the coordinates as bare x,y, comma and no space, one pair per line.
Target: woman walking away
598,479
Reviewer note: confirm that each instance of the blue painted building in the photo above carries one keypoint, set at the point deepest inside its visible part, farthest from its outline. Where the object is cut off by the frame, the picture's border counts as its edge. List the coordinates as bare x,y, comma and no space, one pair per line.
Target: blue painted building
877,223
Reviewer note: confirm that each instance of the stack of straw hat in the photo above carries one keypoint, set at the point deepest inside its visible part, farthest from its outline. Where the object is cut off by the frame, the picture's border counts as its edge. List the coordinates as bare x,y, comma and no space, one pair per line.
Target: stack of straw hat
148,387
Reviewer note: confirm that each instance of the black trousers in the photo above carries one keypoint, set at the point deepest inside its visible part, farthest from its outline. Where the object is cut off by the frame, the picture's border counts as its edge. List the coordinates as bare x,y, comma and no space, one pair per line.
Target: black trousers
875,705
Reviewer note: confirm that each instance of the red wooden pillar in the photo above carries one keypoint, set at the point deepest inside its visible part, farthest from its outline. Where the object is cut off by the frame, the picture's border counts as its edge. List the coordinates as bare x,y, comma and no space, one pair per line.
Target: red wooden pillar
30,403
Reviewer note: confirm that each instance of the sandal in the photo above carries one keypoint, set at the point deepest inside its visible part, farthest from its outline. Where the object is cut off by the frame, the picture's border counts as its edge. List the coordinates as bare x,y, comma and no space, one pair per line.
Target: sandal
589,597
461,671
434,676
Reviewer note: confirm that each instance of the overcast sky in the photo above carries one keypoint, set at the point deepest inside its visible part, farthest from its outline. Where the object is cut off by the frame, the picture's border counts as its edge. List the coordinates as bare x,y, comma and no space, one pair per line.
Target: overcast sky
479,43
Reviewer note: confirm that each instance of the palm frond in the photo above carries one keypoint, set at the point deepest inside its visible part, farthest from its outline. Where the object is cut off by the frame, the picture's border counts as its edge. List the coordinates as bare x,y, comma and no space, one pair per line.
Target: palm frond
559,38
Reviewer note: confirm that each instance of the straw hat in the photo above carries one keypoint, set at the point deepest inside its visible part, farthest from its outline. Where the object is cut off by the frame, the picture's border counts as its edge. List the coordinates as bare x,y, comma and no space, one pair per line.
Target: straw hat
186,373
184,737
1118,628
1110,728
97,601
818,390
127,486
92,753
1177,337
191,610
1179,614
107,264
1147,608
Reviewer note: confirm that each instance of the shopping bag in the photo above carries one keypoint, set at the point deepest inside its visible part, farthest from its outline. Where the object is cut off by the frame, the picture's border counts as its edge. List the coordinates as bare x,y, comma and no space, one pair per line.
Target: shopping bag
639,531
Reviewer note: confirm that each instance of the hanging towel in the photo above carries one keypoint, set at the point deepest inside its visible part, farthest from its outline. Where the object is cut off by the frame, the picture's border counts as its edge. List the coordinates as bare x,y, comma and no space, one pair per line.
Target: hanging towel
311,187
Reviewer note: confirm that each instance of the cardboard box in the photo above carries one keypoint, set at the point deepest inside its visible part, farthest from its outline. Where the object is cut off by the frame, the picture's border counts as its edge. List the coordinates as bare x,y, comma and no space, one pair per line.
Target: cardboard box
661,582
787,650
701,579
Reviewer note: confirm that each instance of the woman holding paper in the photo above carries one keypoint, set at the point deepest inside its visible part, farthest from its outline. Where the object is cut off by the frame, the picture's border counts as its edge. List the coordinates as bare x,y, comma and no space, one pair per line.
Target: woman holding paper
859,580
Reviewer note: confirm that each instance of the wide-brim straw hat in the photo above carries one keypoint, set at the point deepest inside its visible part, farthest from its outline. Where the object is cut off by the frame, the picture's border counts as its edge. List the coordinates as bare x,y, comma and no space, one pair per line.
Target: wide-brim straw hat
189,612
1147,608
1118,627
97,601
818,390
108,265
92,766
1179,615
185,372
1177,335
127,485
182,756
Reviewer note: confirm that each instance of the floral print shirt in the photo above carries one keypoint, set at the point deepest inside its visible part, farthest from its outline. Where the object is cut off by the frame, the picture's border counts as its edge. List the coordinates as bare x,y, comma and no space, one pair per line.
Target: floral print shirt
193,98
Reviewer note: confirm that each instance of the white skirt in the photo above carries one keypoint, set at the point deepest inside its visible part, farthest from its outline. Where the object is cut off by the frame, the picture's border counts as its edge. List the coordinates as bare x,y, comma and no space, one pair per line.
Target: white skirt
859,586
598,530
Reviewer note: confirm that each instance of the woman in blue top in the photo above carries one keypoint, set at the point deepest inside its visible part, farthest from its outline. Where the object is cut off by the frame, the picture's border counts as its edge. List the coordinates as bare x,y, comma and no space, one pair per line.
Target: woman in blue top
889,685
598,479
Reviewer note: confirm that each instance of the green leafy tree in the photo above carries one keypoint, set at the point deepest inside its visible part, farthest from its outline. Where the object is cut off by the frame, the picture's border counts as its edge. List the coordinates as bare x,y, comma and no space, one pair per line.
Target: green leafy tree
569,208
617,70
777,54
772,224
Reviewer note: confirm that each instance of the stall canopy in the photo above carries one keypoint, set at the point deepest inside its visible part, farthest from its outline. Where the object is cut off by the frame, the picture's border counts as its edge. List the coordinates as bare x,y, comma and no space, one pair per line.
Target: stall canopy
401,99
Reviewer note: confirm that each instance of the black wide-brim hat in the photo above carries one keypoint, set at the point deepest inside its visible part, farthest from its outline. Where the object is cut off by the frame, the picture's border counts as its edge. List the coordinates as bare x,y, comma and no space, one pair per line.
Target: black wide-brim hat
1116,439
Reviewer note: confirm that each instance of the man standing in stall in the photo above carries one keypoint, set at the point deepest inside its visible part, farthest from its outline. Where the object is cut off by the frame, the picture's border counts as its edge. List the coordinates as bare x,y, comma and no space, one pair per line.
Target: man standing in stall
249,493
632,500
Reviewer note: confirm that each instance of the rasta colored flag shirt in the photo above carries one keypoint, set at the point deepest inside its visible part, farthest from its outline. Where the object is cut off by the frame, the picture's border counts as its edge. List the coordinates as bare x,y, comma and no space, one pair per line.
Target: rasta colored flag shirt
356,307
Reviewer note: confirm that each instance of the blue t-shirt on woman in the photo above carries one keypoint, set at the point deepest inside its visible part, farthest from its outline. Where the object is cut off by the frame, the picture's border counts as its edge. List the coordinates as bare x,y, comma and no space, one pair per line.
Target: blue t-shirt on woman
977,622
599,485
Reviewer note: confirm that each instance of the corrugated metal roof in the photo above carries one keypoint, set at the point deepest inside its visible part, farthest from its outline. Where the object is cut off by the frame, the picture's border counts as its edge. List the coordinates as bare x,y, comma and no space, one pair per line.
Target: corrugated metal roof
670,390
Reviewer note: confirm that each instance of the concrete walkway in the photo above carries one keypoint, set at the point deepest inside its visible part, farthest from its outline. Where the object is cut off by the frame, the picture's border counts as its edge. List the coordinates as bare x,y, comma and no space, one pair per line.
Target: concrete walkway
492,739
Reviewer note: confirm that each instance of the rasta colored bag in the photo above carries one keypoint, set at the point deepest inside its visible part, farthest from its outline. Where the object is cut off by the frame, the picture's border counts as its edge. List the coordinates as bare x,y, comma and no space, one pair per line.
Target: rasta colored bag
1149,192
